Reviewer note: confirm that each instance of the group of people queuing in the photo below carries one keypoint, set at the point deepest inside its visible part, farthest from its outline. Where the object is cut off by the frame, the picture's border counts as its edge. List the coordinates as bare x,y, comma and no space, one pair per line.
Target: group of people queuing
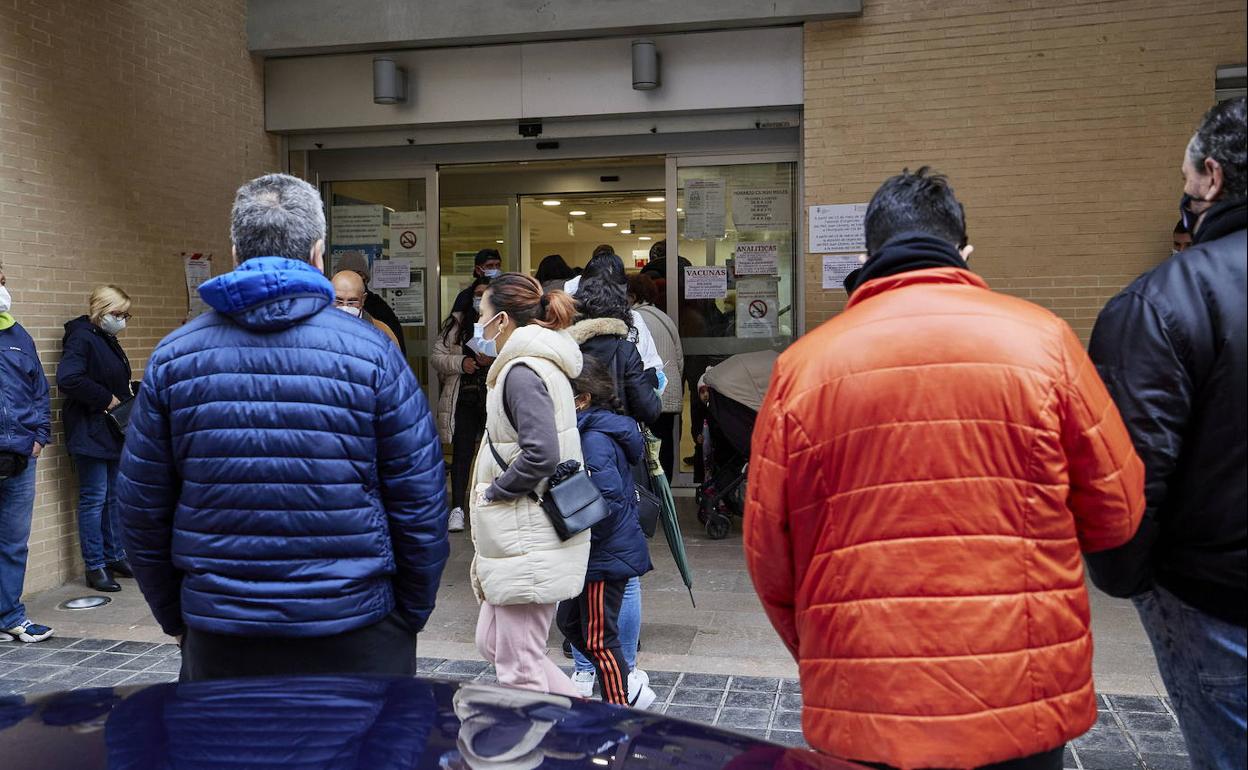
929,471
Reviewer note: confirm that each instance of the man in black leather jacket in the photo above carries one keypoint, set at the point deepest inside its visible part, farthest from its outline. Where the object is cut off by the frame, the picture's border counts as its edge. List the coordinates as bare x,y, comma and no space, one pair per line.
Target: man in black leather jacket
1173,350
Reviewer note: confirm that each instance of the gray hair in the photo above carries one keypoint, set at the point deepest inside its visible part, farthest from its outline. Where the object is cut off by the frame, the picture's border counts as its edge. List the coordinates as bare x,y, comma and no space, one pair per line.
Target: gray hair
276,215
1222,136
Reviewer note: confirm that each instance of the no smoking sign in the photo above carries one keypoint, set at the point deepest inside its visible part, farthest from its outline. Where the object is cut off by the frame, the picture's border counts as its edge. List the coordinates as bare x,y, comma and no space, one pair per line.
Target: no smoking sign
758,309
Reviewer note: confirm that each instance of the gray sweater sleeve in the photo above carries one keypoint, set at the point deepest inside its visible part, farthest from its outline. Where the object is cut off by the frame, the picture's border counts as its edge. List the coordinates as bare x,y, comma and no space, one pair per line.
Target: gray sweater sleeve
530,408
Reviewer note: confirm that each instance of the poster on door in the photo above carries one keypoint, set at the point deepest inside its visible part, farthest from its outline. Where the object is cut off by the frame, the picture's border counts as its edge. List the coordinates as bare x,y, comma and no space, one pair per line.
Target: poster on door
198,268
756,259
766,209
706,282
357,224
758,307
409,302
704,209
391,274
407,234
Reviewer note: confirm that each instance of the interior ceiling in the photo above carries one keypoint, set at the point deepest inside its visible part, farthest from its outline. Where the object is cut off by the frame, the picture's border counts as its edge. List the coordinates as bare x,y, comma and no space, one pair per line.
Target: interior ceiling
549,224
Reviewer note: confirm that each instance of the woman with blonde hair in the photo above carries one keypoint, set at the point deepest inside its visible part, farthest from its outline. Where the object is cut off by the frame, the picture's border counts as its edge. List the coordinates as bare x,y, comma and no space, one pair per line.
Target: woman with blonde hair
522,569
94,376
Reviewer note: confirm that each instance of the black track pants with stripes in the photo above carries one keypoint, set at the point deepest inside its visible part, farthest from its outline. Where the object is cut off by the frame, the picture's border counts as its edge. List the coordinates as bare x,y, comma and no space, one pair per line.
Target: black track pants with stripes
591,623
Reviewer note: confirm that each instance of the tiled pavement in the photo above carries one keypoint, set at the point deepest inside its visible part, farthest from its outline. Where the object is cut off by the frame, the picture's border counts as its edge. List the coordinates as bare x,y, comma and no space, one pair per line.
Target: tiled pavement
1132,731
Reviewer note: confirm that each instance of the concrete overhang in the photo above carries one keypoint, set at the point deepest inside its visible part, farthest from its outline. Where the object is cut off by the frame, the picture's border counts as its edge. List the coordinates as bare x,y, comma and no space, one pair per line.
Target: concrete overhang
302,27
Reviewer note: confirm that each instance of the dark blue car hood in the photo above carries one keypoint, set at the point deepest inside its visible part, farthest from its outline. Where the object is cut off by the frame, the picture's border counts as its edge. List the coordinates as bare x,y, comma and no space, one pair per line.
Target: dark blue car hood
338,723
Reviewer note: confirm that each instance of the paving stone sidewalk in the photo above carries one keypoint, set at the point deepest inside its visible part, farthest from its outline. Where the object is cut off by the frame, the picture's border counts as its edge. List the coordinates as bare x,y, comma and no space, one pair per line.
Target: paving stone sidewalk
1131,731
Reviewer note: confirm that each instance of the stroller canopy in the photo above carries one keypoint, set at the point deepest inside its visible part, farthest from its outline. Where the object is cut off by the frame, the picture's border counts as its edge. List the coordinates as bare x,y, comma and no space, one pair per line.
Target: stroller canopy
744,377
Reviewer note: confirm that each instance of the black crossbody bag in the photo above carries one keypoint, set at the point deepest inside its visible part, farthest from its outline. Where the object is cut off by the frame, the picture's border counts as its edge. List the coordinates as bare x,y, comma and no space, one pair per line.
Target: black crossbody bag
572,502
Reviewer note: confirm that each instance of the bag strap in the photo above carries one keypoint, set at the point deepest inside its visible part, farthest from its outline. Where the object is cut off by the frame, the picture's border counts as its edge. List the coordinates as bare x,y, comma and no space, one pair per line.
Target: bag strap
503,464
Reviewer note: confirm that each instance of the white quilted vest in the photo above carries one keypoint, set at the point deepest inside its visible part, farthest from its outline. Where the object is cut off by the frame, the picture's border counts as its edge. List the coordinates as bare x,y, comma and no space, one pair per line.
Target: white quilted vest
519,557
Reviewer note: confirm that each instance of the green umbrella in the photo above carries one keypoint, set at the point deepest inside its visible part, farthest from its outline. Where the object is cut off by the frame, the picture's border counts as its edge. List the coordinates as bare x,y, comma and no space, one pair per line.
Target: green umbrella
671,525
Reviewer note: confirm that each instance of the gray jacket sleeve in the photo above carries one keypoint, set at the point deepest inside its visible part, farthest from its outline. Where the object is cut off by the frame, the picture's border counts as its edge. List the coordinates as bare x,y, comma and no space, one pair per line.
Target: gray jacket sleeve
530,408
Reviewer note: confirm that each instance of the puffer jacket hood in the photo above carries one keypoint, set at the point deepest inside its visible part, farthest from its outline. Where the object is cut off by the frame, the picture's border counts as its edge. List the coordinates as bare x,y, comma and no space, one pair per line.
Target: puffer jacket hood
606,339
269,293
534,341
926,469
612,444
583,331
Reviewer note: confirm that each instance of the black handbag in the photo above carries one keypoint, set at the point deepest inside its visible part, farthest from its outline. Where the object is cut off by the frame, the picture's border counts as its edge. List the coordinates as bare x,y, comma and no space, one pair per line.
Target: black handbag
119,417
572,502
649,506
12,464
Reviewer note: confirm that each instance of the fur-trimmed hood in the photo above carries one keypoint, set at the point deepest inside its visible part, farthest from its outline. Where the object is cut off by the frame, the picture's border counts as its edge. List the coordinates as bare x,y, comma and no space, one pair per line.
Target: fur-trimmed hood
582,331
538,342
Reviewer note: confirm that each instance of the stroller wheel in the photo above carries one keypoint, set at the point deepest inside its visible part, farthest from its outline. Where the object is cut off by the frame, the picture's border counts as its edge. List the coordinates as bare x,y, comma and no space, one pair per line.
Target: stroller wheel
718,526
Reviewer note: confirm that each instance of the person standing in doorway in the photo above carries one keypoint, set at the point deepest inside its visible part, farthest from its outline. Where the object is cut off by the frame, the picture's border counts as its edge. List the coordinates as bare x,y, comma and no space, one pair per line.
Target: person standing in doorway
374,305
522,569
461,400
643,294
1173,351
488,264
926,469
282,487
94,376
25,429
350,297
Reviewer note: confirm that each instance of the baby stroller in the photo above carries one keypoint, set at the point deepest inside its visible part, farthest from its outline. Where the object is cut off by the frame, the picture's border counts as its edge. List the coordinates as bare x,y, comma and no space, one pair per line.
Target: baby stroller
733,391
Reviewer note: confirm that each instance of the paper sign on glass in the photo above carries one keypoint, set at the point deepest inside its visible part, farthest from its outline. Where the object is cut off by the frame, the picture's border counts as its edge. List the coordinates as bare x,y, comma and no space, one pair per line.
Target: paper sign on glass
706,282
409,303
757,258
391,274
407,234
761,209
357,224
704,208
758,307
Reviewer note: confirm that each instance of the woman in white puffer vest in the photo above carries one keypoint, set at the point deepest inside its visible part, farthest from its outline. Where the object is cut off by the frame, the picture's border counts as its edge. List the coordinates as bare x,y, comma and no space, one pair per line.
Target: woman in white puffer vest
521,569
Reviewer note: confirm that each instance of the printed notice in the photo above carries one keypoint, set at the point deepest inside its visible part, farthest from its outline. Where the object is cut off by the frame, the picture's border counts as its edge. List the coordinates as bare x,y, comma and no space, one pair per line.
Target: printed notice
758,307
369,252
407,234
704,209
836,268
391,274
761,209
706,282
837,228
357,224
198,269
409,302
757,259
463,262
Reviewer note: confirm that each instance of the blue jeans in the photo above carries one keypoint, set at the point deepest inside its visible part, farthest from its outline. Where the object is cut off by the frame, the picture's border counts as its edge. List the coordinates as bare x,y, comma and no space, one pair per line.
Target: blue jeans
629,625
1205,668
17,505
99,530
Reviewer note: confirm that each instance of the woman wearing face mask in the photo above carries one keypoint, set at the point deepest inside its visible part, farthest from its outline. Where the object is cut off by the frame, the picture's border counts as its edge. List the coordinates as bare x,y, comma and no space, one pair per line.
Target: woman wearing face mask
461,401
94,376
522,569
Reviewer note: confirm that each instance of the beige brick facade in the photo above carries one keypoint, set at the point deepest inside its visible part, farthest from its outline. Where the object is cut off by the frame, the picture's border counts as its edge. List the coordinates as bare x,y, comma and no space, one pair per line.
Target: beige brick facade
124,130
1062,124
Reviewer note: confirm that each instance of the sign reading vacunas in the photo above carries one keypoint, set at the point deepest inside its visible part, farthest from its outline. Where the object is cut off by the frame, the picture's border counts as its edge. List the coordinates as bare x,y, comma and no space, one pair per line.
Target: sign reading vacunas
706,282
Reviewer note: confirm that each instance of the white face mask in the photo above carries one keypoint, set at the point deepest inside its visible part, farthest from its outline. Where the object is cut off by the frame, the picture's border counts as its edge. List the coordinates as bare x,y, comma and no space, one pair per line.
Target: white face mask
476,304
487,348
6,300
352,311
112,324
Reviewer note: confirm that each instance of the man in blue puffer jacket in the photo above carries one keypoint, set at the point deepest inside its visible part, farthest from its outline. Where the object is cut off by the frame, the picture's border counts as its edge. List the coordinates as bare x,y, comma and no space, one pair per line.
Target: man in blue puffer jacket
282,487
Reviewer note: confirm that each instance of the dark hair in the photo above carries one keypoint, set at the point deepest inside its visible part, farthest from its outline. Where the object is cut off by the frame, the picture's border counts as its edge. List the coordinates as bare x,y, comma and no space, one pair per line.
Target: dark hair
921,201
643,287
1180,229
608,266
520,297
658,250
603,298
1223,136
553,268
468,317
603,249
596,382
486,255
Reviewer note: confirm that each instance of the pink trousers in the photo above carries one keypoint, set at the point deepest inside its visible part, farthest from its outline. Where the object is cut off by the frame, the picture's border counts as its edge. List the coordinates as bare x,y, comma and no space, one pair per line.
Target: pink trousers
513,638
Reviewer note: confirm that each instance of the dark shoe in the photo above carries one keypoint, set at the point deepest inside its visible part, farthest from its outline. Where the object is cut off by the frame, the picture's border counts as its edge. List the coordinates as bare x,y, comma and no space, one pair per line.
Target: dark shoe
100,580
567,649
121,567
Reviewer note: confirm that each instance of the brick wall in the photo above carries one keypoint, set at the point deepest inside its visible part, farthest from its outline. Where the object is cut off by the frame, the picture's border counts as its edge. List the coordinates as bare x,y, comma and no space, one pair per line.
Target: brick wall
124,129
1061,122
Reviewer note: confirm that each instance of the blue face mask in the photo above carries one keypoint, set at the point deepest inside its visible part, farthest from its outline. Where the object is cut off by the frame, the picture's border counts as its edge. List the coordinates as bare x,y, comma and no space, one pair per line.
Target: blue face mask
492,273
479,344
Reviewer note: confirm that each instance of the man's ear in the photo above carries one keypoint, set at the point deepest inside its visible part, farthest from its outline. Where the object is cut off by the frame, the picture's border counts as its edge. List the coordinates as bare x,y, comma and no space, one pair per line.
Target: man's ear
1217,179
234,255
317,257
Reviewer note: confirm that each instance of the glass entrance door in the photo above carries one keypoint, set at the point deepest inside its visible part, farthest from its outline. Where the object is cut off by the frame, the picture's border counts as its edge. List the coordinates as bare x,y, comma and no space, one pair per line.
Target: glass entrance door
389,224
734,223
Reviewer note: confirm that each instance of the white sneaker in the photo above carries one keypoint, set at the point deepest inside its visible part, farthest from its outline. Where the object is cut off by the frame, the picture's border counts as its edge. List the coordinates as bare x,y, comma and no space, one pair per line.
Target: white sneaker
26,632
584,682
455,522
640,694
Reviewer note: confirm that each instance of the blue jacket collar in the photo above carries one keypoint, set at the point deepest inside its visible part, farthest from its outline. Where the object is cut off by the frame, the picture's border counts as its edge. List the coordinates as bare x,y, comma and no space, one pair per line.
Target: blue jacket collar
269,293
619,428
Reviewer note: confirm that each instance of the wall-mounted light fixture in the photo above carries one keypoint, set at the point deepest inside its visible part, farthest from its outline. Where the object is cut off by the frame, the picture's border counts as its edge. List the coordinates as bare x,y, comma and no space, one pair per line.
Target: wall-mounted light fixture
645,65
389,81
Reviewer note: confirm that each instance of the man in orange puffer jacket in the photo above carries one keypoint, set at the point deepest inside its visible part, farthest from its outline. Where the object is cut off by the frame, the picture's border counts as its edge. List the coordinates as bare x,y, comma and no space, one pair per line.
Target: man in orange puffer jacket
926,469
